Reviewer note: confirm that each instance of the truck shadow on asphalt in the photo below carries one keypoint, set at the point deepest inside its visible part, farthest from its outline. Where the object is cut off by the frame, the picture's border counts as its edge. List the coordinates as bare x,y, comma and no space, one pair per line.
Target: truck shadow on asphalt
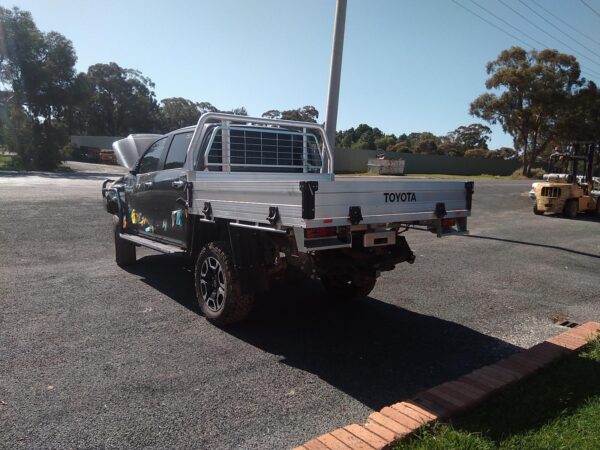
374,351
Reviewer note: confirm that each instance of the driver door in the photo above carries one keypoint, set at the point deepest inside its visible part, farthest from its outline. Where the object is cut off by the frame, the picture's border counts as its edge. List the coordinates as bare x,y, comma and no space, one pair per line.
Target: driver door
169,186
141,213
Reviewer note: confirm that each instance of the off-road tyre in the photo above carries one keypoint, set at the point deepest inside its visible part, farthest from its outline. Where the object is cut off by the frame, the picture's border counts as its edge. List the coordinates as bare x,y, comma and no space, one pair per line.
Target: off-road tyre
124,250
537,212
571,207
218,288
343,288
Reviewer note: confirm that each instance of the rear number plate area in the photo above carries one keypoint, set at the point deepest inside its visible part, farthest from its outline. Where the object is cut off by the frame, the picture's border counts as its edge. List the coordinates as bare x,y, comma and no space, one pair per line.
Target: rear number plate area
379,238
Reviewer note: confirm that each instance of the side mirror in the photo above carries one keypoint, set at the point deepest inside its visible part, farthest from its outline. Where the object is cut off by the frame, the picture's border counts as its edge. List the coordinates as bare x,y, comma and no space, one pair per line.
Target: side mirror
133,172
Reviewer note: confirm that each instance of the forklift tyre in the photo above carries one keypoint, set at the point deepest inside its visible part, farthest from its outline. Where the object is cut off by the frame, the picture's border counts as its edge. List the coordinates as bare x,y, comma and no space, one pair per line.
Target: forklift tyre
571,207
218,287
537,212
124,250
597,210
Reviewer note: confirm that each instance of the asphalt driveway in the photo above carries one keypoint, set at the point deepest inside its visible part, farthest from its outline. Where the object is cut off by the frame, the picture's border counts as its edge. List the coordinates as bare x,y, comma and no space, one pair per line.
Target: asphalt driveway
95,356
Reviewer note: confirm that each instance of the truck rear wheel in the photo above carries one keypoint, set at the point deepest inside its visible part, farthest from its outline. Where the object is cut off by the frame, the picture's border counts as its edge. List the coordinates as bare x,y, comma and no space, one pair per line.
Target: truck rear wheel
124,250
218,287
571,208
347,288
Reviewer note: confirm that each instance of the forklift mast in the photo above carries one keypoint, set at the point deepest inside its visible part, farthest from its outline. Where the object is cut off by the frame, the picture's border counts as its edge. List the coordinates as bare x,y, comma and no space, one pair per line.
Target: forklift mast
574,157
592,150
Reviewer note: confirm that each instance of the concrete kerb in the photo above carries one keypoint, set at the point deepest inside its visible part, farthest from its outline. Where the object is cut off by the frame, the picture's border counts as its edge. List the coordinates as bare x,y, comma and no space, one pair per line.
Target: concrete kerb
393,423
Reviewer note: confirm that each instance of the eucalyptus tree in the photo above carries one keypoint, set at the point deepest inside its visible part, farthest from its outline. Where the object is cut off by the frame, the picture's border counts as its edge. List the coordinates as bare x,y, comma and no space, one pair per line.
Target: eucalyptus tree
530,93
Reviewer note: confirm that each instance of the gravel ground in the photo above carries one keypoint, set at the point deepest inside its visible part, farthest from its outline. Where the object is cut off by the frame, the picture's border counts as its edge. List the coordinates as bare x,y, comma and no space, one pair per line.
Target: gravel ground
94,356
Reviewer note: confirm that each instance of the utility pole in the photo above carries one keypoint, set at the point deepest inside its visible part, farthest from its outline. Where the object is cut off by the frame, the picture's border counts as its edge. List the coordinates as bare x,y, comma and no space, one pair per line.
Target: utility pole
335,71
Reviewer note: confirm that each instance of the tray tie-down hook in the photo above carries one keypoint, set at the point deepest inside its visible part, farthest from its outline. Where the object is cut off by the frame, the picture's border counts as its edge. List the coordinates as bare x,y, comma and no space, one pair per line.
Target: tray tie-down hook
273,216
207,211
355,215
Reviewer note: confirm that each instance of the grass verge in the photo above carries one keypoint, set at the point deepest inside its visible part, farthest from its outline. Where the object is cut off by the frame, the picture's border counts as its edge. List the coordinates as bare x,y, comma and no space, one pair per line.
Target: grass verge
7,162
559,408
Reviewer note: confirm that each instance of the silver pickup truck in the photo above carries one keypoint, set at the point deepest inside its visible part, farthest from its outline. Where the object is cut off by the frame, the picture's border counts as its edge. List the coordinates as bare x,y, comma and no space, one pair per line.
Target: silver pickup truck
252,200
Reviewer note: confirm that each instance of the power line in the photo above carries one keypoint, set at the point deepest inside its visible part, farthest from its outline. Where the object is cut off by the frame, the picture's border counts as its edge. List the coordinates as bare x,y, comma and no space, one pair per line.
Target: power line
507,23
545,32
551,24
592,9
590,72
565,23
493,25
590,75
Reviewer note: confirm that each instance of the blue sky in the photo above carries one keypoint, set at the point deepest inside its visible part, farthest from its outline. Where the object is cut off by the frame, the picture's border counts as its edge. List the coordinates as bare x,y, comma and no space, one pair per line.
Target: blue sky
408,65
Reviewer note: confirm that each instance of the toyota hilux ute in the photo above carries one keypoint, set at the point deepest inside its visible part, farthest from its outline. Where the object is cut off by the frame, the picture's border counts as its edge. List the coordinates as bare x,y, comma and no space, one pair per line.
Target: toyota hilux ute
252,200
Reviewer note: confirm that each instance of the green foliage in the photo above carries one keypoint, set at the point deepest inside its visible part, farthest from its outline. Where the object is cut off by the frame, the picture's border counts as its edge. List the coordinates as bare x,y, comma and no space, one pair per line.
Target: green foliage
427,144
120,101
178,112
272,114
535,172
477,153
559,408
364,137
385,142
40,70
66,153
207,107
35,143
534,91
503,153
305,114
472,138
400,147
580,120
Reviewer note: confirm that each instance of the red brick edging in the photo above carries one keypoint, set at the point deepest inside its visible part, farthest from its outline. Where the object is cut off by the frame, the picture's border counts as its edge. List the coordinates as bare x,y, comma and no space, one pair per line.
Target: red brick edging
395,422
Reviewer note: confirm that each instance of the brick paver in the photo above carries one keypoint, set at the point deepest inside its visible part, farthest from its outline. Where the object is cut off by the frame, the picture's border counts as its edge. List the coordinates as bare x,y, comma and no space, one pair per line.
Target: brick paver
384,428
369,437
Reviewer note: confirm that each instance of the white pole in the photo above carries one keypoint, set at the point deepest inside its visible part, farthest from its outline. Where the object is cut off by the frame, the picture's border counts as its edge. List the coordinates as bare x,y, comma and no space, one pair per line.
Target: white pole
335,72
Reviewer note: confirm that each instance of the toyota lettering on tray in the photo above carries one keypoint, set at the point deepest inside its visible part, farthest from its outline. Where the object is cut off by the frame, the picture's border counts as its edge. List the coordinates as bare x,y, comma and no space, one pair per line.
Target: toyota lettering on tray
393,197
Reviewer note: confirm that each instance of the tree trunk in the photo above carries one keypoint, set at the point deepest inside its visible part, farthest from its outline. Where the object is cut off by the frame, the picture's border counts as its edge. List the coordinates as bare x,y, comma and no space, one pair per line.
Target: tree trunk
526,164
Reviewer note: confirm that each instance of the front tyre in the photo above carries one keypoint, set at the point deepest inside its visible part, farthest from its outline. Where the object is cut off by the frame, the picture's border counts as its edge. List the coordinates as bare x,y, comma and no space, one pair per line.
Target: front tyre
537,212
349,287
124,250
218,287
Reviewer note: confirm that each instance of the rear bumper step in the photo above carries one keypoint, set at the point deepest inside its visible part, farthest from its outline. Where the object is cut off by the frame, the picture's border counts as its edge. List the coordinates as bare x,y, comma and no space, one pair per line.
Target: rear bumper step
153,245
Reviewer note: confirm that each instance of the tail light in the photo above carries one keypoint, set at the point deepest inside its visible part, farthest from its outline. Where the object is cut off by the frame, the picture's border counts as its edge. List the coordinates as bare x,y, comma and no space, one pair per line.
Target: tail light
317,233
448,223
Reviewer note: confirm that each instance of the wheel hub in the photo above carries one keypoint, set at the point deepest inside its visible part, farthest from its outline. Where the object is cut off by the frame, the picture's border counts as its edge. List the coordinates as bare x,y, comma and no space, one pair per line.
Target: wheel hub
212,284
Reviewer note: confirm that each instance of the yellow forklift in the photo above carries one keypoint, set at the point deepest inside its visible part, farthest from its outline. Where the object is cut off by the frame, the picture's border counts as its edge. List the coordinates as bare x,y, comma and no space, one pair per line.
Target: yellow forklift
565,191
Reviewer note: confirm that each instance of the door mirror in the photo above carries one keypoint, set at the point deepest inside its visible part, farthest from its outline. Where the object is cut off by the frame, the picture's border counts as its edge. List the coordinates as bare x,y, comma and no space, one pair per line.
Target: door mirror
133,172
